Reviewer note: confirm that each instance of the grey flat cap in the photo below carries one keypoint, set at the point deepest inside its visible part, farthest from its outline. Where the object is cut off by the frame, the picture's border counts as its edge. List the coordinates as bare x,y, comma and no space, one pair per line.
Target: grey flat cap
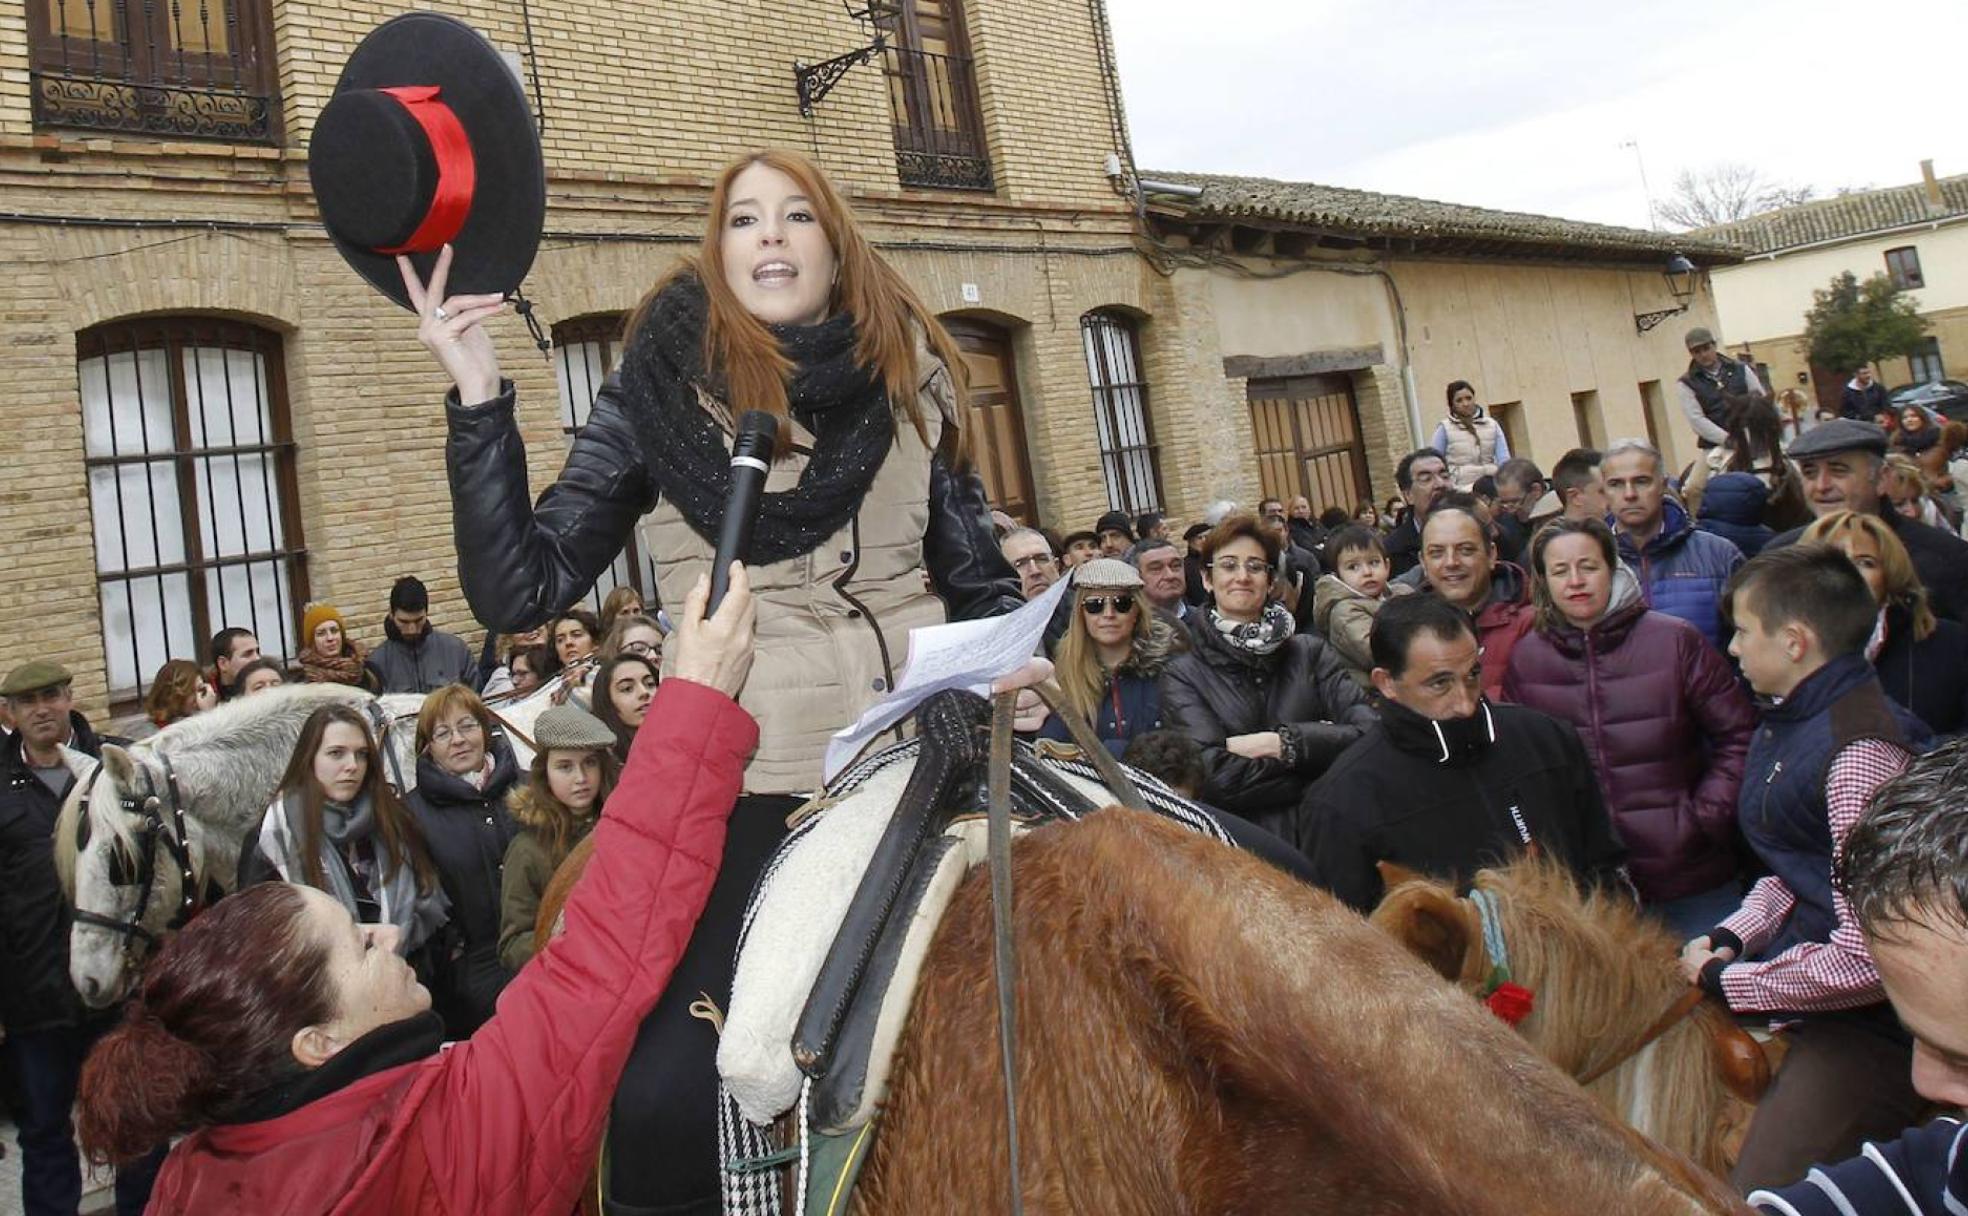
1107,573
570,726
1839,435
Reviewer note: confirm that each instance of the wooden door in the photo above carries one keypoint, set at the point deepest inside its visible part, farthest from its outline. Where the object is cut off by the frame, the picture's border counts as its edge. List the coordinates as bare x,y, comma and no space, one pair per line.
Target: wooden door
997,424
1308,440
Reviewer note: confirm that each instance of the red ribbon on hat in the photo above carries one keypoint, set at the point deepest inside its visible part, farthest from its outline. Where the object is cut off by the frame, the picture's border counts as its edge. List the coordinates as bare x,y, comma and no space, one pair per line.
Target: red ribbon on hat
457,171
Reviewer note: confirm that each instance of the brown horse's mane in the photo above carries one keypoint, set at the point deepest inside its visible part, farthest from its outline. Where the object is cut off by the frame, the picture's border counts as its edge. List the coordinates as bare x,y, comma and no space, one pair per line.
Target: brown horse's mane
1602,973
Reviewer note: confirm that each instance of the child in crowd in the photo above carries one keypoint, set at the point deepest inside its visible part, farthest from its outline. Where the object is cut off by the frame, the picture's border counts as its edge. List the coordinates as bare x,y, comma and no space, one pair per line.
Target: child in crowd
1802,618
573,772
1344,603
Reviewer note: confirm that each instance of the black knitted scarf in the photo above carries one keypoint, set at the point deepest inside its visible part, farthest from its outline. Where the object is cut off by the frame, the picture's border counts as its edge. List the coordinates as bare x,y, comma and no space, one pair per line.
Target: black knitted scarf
689,455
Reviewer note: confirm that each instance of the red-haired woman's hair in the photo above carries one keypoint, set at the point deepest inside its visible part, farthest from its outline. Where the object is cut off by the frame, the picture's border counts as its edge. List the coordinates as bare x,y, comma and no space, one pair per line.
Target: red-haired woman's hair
887,312
212,1023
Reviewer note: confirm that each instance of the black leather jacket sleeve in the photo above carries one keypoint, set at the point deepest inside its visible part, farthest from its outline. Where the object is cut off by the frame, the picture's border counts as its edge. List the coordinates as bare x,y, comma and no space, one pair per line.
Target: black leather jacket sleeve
1347,713
961,552
1239,784
521,561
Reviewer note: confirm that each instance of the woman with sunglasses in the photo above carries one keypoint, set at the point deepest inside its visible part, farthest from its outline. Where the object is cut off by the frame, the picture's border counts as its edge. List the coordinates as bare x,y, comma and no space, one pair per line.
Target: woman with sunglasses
1109,663
1271,708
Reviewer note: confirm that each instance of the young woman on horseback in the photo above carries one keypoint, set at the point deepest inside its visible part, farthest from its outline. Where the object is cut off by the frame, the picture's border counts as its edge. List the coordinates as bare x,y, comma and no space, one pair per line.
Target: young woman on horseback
298,1053
785,307
573,772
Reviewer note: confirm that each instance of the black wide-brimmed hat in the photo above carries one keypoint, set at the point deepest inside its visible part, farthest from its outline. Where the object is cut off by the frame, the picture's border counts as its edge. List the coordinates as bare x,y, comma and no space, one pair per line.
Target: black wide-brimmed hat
428,140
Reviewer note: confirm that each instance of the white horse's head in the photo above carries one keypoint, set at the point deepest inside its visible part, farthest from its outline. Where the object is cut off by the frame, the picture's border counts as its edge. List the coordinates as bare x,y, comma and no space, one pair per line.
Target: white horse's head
123,860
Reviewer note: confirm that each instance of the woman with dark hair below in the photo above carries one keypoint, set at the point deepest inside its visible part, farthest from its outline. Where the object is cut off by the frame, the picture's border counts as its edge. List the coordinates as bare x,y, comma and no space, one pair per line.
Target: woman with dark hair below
573,773
336,825
1659,710
786,308
1472,445
1109,663
1755,446
465,770
623,689
1922,659
330,655
297,1054
1270,707
177,691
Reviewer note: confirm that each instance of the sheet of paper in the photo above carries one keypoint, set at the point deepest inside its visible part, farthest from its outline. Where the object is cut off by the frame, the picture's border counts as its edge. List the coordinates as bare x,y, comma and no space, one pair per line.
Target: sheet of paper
960,654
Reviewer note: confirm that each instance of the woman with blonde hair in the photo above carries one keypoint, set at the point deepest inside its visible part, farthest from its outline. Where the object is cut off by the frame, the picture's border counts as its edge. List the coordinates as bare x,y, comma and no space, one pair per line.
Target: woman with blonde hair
872,523
1922,659
573,772
1109,663
624,599
177,691
465,772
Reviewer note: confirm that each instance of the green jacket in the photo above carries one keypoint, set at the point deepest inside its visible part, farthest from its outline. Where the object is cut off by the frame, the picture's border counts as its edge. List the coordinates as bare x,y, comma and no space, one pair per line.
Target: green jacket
529,868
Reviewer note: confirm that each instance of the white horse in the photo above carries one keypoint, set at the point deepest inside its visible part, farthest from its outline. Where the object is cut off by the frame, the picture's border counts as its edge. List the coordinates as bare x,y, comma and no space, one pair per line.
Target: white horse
518,712
142,833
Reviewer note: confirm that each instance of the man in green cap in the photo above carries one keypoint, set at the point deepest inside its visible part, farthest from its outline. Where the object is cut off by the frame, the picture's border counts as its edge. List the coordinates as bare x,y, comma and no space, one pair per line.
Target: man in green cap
46,1037
1712,377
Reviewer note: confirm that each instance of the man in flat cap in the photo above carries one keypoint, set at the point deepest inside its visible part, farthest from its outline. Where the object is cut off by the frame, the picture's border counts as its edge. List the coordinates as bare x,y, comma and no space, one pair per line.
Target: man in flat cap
1711,378
1842,462
46,1037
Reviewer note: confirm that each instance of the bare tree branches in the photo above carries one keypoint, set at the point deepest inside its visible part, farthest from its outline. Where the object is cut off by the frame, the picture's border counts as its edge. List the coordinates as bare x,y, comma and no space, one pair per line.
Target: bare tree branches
1720,193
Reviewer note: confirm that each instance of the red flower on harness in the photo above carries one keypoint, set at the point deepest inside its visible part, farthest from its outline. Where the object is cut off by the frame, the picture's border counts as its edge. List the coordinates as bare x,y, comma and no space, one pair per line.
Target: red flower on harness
1511,1002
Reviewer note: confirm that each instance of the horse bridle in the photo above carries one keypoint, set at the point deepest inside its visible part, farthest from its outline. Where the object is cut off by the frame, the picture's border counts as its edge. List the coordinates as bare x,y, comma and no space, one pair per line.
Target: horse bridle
150,810
1489,912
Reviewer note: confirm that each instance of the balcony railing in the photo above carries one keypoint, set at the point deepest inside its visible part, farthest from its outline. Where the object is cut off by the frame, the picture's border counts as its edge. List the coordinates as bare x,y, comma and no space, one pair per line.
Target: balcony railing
939,138
179,69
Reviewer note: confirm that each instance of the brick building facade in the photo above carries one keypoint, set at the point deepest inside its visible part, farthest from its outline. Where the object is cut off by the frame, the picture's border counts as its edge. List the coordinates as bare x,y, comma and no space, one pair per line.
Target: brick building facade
214,420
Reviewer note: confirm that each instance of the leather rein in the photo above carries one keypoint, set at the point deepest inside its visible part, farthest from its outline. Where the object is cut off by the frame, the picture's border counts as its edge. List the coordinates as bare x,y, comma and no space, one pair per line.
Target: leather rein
151,810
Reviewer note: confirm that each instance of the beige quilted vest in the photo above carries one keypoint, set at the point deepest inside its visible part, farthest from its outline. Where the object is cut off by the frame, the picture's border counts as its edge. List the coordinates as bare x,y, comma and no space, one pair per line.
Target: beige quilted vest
833,625
1472,449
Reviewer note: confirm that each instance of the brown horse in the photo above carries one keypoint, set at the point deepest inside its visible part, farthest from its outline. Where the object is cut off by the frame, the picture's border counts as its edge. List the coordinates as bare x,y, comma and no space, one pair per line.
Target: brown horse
1199,1032
1603,977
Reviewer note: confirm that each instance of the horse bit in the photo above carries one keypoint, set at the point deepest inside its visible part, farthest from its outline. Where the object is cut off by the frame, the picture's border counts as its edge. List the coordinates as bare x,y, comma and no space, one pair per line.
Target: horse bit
149,809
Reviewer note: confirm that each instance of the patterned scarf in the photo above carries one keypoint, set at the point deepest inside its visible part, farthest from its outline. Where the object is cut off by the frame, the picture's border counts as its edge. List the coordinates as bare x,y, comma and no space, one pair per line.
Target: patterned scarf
344,668
1259,637
689,456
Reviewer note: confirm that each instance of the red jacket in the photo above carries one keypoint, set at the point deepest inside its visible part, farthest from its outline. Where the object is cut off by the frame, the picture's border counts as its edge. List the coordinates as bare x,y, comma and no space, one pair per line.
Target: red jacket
1668,729
510,1121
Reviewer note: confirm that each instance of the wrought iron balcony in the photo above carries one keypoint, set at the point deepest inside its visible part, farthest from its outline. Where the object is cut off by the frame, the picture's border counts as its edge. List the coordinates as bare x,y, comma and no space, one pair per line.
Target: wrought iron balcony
939,137
177,69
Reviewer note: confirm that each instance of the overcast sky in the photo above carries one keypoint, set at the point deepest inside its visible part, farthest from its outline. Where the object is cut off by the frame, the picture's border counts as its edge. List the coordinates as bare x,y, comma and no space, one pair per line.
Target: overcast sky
1524,104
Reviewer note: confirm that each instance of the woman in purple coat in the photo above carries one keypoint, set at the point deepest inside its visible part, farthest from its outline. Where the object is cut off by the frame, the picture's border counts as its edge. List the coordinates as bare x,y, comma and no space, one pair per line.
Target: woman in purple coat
1658,709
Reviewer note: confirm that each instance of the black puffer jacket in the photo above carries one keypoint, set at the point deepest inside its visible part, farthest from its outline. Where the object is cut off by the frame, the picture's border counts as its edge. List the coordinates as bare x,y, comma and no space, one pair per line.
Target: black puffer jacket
1217,691
1929,676
467,831
521,562
36,992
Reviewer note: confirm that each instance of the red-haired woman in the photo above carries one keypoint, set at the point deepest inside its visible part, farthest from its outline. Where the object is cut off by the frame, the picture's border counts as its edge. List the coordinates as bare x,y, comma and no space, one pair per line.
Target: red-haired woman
299,1052
785,307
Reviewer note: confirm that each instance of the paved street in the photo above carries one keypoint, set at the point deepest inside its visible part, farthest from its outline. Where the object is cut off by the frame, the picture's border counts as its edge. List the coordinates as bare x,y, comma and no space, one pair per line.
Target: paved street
95,1200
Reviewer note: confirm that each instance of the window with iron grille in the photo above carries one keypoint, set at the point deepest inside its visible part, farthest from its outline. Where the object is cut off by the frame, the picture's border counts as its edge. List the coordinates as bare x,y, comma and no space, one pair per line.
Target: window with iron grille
1128,462
190,457
1903,266
187,69
932,93
585,350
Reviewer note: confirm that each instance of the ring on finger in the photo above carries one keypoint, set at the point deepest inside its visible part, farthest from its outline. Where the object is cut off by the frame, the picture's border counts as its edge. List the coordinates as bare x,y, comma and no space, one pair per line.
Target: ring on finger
440,314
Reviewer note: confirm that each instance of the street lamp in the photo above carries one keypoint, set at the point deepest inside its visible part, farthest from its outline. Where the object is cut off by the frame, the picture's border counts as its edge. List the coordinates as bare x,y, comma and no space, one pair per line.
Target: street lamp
1680,274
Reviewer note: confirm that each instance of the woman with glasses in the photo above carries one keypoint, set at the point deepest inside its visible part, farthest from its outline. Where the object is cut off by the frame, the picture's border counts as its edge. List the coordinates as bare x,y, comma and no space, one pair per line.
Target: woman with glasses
1271,708
1109,663
465,770
633,633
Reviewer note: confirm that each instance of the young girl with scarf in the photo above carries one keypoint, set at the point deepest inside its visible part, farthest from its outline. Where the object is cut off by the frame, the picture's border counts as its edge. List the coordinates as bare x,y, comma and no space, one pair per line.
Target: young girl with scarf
335,825
785,308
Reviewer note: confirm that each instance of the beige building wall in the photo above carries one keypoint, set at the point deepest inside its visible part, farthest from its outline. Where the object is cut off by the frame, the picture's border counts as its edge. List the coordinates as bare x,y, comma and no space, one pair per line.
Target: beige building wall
1763,301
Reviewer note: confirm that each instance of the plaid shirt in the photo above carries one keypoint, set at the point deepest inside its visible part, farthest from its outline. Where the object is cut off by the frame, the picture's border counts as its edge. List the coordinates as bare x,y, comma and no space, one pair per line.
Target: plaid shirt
1814,976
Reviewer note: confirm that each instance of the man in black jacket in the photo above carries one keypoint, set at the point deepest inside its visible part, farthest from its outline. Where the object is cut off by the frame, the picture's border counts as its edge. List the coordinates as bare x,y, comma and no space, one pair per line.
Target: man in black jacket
1446,783
1842,463
46,1037
1422,477
1864,397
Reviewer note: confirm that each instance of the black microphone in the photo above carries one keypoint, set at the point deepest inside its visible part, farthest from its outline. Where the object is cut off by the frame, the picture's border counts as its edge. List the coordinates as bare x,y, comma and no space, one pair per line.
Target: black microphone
751,460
